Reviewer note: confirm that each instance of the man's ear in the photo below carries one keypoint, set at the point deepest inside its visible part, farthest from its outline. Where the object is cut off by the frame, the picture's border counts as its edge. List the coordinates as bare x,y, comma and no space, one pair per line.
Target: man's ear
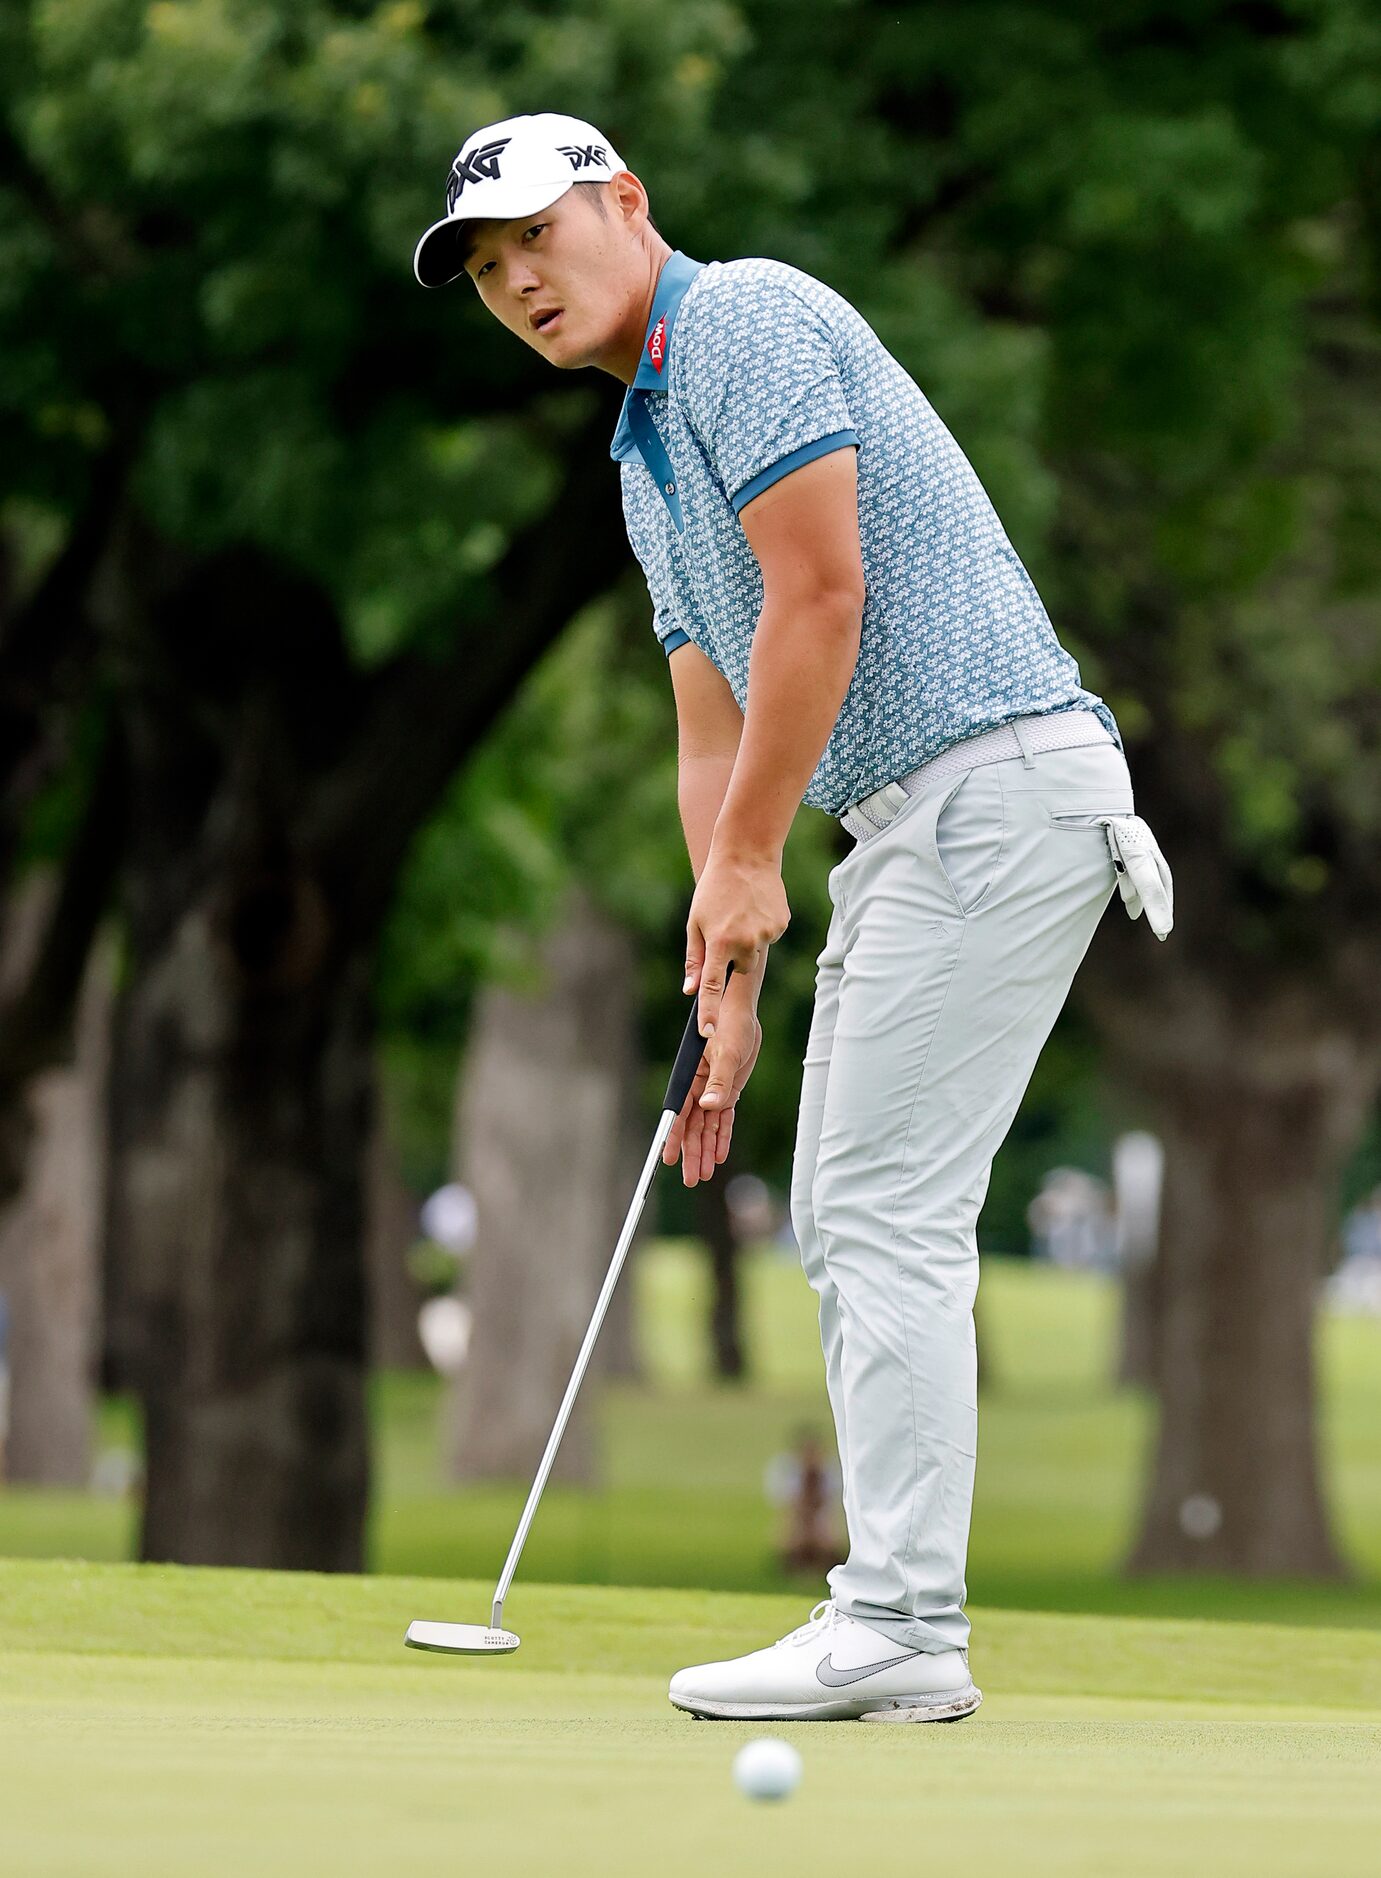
629,198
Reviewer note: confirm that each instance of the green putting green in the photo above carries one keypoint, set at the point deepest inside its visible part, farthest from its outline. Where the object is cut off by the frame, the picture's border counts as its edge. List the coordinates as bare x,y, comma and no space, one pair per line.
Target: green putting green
156,1720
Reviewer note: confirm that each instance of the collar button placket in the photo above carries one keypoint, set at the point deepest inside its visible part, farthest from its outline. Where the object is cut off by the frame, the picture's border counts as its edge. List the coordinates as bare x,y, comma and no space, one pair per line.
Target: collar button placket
637,434
654,455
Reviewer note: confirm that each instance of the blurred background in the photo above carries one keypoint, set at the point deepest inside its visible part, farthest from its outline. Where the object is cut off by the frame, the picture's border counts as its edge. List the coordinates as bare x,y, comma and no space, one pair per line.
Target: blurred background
342,890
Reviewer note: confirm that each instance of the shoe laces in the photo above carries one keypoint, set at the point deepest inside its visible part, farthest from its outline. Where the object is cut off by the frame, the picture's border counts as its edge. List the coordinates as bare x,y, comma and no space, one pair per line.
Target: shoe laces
822,1618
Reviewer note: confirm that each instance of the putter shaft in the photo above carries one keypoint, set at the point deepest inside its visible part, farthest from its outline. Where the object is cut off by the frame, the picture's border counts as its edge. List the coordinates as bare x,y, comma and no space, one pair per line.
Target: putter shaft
582,1361
678,1087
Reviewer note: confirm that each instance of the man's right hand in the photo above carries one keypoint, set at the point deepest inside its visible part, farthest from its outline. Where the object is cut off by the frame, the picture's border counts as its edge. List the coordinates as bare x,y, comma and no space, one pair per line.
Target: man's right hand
701,1133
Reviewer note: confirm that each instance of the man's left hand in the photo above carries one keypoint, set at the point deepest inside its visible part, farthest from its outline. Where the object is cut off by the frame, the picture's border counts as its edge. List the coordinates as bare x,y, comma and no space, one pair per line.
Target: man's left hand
739,909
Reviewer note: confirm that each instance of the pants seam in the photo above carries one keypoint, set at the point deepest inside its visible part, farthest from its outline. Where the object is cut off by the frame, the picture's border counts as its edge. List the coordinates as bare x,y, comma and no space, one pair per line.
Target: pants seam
901,1277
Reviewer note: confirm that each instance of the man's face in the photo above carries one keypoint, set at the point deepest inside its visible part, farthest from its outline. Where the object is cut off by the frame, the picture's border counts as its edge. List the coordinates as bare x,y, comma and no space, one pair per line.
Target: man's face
568,262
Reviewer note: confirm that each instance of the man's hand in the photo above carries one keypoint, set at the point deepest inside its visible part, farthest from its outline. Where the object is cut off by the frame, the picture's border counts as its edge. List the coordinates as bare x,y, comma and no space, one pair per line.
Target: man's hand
701,1133
739,909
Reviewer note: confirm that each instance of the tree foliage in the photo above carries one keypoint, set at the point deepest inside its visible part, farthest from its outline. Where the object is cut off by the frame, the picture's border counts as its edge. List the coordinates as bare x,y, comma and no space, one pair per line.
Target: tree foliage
266,500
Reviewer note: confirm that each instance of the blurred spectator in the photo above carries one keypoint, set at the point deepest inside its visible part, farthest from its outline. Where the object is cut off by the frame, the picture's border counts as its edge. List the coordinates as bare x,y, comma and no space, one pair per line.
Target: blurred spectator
1356,1285
117,1473
752,1209
1071,1220
1361,1231
448,1218
757,1216
449,1224
809,1488
443,1325
1138,1168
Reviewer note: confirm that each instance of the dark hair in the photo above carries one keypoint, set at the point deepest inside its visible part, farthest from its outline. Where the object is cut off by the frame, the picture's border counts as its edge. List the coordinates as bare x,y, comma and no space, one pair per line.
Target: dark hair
599,199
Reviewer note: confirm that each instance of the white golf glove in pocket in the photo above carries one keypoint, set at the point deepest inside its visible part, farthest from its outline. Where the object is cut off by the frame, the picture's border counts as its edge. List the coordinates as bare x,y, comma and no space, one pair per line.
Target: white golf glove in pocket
1143,873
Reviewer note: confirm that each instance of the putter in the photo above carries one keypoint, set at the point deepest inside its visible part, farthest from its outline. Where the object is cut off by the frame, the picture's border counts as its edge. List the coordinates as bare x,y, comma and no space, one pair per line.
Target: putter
492,1639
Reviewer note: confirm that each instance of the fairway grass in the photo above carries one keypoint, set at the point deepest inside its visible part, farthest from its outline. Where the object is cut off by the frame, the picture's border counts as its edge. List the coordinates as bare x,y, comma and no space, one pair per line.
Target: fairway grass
157,1720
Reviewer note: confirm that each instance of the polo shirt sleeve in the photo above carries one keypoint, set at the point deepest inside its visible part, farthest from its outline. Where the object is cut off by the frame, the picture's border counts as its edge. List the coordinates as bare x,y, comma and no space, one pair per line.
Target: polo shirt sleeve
669,635
763,387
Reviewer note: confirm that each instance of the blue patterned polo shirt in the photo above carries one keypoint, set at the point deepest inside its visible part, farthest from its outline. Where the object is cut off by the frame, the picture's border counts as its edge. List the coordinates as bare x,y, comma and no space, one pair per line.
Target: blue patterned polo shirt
751,368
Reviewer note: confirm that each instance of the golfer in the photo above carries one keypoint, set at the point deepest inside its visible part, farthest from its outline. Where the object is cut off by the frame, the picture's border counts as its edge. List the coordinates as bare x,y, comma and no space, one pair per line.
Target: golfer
846,624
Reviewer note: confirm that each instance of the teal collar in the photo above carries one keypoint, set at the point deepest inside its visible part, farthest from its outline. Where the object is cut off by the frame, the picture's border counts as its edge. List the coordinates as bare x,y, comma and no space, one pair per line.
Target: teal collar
678,271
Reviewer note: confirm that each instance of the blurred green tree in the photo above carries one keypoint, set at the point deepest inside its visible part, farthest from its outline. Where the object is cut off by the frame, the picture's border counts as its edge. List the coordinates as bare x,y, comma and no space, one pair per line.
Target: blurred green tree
1134,257
311,526
1162,220
308,527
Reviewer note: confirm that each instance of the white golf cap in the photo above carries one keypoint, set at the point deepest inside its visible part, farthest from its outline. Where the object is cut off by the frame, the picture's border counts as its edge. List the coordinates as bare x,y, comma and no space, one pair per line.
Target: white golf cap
514,167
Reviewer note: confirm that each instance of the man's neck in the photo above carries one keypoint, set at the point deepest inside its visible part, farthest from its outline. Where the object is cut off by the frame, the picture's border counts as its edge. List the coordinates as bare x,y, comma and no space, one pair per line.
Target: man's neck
624,360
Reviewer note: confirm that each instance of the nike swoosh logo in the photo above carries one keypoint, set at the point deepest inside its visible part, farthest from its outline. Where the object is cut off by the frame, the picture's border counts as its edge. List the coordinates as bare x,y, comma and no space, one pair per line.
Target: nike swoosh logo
840,1678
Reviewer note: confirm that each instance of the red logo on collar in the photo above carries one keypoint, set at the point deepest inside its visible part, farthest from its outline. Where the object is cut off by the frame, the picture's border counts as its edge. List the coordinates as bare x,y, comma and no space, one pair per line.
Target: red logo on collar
657,344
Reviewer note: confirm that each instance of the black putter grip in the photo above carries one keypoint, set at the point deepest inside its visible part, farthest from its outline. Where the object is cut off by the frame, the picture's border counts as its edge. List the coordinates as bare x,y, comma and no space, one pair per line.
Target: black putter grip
688,1056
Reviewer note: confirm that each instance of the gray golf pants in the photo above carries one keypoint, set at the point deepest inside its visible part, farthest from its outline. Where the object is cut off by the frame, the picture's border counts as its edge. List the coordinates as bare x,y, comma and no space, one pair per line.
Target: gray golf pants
955,935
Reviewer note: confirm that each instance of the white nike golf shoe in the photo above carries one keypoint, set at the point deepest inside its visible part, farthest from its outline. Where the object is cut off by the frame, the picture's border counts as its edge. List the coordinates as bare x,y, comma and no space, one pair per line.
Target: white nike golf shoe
830,1669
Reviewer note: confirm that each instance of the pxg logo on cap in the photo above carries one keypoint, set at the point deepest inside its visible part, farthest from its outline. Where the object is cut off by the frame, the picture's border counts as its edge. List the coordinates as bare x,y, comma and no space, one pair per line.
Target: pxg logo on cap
475,166
512,168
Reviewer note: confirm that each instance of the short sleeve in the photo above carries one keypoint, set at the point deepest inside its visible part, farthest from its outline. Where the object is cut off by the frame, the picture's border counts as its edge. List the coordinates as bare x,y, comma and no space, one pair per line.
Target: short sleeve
763,390
669,636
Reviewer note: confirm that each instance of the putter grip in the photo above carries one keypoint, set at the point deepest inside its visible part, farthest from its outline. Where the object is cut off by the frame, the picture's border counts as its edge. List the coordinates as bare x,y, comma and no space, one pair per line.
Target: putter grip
688,1056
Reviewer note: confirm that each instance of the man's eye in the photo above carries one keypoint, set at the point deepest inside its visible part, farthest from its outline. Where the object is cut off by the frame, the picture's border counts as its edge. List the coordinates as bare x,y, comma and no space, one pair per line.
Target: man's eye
536,229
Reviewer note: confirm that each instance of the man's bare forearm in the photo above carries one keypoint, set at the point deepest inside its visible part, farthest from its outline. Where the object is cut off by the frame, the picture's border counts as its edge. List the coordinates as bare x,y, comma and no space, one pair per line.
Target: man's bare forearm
799,671
702,783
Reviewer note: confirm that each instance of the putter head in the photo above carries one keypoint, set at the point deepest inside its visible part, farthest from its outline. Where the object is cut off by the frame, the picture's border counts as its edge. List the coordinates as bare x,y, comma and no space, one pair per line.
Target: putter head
460,1639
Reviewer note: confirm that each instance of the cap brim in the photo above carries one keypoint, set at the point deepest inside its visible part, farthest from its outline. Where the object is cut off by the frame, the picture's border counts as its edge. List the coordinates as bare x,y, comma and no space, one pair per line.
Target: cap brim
439,257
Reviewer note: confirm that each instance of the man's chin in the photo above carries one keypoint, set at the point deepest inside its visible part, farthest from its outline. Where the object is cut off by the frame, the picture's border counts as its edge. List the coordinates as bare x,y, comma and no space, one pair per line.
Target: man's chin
568,352
567,358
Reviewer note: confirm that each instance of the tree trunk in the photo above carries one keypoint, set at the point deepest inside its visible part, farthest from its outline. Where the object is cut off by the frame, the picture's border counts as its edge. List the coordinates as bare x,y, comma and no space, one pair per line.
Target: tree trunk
620,1356
1258,1101
1236,1480
49,1255
1138,1355
49,916
240,1126
390,1231
716,1229
540,1146
274,787
48,919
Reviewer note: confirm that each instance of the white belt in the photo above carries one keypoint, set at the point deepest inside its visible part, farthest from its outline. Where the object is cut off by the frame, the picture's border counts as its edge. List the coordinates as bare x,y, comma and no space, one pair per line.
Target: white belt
1023,737
1143,874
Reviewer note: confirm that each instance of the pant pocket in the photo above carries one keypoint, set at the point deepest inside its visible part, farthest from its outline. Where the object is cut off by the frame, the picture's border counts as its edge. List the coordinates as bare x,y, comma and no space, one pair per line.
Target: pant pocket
970,836
1084,829
1074,821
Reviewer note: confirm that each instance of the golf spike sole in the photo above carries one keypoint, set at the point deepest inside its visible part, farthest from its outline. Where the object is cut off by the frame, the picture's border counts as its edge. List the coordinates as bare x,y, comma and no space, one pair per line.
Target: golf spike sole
947,1709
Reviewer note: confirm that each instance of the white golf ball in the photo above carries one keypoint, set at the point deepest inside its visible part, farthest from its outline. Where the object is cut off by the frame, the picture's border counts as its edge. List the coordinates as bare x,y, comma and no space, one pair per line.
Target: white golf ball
768,1769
